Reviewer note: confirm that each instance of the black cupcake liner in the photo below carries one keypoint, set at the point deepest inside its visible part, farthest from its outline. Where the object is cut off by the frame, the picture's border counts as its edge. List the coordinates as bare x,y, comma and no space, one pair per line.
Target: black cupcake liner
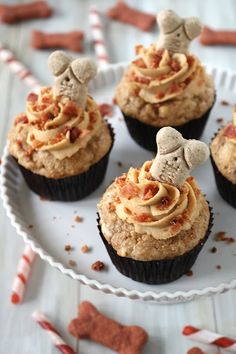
226,188
156,272
69,188
145,134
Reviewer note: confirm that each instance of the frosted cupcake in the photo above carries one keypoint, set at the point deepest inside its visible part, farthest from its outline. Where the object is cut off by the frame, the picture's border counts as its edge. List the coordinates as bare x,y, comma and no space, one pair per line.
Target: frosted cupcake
154,219
166,85
61,143
223,158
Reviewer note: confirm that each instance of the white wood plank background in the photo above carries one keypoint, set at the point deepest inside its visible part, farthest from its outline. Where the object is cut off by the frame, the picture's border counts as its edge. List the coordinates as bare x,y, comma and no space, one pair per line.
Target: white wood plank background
49,290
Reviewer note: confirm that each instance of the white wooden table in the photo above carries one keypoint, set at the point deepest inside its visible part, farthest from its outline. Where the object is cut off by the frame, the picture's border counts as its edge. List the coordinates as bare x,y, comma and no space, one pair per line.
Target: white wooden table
51,291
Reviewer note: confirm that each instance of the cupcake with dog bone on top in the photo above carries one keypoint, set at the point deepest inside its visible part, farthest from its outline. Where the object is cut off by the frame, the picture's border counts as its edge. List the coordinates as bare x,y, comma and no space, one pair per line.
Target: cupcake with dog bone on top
166,85
61,143
223,158
154,219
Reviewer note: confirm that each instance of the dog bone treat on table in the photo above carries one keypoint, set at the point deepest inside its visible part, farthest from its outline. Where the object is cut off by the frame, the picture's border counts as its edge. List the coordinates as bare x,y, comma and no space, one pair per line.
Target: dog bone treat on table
166,85
217,37
62,143
22,12
71,40
154,220
126,14
92,324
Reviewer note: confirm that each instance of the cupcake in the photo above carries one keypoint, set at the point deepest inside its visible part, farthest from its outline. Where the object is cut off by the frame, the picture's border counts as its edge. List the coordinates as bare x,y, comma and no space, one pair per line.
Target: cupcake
166,85
223,158
61,143
154,219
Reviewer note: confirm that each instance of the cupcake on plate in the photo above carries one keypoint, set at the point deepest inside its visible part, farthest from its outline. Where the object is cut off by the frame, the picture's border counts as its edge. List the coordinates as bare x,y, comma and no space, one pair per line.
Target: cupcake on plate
166,85
223,158
61,143
154,219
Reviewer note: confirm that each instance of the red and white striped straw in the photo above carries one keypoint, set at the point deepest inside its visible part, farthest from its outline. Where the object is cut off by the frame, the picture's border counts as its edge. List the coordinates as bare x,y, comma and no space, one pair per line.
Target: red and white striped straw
98,37
52,331
19,69
207,337
23,273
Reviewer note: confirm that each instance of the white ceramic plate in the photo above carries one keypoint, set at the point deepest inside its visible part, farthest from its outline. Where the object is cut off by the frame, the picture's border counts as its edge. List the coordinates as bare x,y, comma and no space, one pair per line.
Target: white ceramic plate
54,225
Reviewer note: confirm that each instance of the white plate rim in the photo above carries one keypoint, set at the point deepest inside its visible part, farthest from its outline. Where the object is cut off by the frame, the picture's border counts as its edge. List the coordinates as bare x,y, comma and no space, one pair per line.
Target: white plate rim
159,297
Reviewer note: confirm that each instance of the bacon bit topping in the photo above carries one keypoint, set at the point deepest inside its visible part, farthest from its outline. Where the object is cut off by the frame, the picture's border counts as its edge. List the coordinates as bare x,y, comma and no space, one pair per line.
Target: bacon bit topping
29,152
157,58
174,88
136,91
37,144
74,134
149,191
189,273
143,218
121,180
78,219
142,80
111,207
32,97
21,119
70,109
84,249
138,47
190,60
127,211
117,200
224,103
129,190
175,65
98,266
230,131
160,95
105,109
40,107
187,81
47,99
139,63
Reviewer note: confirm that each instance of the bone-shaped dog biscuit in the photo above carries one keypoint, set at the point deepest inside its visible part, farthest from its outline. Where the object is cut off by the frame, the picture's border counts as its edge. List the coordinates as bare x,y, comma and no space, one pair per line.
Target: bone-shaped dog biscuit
72,76
71,40
94,325
176,33
217,37
176,157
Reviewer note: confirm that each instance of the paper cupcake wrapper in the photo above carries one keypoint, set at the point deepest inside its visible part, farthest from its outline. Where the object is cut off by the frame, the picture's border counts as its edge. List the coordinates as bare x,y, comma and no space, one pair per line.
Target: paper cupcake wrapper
69,188
145,134
226,188
156,272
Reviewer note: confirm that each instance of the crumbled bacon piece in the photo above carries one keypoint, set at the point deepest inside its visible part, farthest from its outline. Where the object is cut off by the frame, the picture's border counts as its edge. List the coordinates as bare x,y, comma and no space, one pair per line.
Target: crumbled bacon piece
32,97
98,266
72,263
70,109
175,65
220,120
120,164
143,218
139,63
21,119
160,95
106,109
174,88
190,60
127,211
157,58
187,81
111,207
149,191
121,180
142,80
230,131
213,250
117,200
129,190
218,267
74,134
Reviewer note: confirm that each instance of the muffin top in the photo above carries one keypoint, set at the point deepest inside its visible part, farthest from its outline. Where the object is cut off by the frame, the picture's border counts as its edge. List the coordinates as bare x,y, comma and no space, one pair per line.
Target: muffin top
223,149
61,122
166,72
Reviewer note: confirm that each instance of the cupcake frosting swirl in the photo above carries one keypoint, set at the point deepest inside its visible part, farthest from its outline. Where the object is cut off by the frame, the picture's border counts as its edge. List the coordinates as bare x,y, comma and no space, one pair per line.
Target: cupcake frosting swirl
59,125
159,209
162,75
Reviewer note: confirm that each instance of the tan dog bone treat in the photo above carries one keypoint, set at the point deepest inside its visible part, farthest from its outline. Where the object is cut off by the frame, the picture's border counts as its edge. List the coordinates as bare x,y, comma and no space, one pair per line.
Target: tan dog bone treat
72,76
15,13
71,40
220,37
93,325
176,157
176,32
126,14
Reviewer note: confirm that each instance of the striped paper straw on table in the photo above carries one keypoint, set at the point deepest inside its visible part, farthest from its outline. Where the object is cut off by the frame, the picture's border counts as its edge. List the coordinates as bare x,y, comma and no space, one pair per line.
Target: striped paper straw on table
19,69
98,36
57,340
23,273
208,337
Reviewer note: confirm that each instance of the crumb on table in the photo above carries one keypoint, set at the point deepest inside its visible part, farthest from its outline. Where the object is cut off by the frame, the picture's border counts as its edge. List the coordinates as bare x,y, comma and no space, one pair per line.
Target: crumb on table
85,249
72,263
78,218
189,273
224,103
213,250
98,266
68,248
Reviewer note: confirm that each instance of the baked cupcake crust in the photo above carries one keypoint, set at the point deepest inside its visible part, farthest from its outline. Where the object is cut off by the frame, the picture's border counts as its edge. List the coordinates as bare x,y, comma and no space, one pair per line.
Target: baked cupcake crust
128,243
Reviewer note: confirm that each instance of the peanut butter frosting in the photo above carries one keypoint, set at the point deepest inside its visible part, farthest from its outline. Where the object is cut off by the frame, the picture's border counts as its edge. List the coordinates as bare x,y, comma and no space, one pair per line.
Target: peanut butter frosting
58,125
159,209
159,75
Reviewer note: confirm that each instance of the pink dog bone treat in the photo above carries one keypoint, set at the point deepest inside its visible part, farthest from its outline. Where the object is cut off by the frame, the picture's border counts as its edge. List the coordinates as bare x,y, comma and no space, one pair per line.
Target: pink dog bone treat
71,40
94,325
176,157
176,32
22,12
72,76
217,37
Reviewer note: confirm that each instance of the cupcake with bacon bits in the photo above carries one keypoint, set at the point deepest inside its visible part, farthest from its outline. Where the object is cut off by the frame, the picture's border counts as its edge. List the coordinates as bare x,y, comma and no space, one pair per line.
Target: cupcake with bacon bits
154,219
166,85
223,158
61,143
